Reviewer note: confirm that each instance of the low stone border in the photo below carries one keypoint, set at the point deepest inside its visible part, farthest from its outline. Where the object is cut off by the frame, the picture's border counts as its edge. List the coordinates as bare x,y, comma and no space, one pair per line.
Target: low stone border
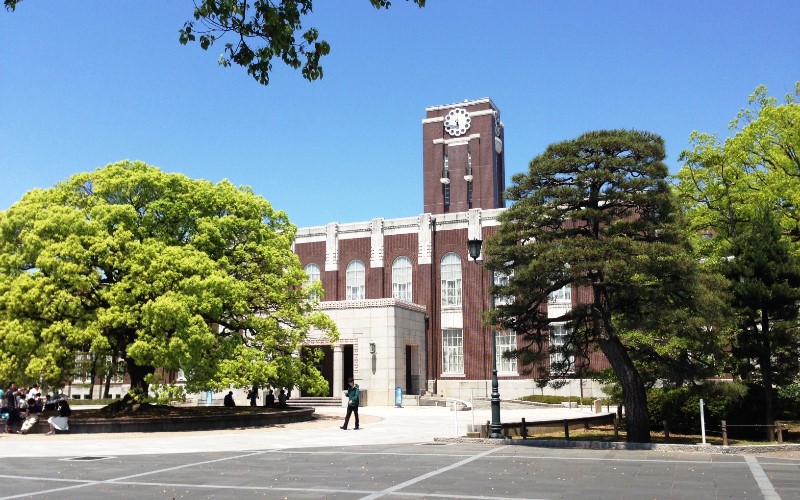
603,445
188,423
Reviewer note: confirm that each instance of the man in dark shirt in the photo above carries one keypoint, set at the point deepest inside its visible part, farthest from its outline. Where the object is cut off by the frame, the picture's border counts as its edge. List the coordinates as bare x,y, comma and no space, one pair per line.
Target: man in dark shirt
10,403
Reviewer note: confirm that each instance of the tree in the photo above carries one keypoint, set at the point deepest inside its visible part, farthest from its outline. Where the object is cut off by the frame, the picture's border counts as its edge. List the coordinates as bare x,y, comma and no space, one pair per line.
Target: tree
594,213
766,298
169,272
726,188
722,184
261,30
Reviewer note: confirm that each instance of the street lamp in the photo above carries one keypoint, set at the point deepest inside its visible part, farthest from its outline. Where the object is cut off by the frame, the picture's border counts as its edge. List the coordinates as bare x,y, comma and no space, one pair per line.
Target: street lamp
495,429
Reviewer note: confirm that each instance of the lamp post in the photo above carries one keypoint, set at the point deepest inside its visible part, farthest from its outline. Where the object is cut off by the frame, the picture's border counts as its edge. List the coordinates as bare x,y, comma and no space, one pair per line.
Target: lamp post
495,429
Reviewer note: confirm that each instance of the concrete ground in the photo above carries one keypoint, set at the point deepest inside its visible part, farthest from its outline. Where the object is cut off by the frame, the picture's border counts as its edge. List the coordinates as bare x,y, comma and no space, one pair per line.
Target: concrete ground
392,456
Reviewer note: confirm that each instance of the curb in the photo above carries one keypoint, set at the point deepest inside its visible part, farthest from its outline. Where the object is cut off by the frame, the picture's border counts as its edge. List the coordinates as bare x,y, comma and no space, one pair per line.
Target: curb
602,445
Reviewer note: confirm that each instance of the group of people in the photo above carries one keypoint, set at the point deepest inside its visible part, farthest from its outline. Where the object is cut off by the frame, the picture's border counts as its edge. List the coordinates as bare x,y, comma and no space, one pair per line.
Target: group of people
252,395
22,407
353,400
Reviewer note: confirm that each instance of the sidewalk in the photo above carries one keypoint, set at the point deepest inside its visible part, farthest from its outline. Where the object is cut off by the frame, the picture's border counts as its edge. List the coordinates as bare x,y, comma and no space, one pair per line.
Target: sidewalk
379,425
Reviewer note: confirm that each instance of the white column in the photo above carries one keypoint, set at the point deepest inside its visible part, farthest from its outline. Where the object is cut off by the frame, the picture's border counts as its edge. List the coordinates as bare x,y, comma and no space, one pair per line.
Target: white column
338,367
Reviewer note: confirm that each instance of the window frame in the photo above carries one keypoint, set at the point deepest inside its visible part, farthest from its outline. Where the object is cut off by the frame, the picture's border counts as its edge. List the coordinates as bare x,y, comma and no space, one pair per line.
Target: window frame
452,352
401,271
355,280
313,277
506,340
451,281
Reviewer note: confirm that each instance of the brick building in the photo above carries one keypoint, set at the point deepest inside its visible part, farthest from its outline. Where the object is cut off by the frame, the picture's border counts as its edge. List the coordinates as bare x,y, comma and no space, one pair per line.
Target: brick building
407,298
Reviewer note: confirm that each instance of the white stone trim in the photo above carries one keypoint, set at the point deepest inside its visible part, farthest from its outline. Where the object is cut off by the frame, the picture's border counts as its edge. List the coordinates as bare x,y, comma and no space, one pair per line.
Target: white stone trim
369,303
458,141
376,243
462,104
424,239
332,247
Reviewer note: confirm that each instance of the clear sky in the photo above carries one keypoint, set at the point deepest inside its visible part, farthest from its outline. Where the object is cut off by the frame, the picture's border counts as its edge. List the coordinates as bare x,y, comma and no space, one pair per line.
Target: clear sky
84,84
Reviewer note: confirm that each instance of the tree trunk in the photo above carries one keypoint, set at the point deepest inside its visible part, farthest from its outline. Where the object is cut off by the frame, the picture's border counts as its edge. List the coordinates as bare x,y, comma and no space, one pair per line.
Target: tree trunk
637,421
137,374
110,369
92,374
765,360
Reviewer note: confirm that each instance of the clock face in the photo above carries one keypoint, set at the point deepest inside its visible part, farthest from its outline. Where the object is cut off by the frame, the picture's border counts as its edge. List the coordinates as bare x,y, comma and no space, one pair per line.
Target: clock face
457,122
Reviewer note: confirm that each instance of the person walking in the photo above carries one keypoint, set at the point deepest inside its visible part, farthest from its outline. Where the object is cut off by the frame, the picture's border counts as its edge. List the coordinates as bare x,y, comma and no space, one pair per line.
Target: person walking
352,402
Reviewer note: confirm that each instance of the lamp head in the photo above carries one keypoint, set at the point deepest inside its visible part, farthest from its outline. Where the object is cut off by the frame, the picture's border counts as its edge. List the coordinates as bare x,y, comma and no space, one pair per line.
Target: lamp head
474,248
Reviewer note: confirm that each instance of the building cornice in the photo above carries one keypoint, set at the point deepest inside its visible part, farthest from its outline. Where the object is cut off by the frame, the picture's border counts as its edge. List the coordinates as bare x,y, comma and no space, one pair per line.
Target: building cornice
368,304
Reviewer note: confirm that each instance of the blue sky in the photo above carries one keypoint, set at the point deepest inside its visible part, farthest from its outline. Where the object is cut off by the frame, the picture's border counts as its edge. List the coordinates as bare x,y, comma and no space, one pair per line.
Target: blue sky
84,84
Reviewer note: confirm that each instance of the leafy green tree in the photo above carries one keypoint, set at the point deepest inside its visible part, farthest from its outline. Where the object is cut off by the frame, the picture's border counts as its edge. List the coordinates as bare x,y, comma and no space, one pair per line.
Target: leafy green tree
595,213
766,298
725,188
722,184
169,272
260,31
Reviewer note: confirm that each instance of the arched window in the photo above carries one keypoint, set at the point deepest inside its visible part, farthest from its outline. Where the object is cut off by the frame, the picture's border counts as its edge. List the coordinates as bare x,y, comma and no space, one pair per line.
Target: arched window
355,280
312,270
451,280
401,279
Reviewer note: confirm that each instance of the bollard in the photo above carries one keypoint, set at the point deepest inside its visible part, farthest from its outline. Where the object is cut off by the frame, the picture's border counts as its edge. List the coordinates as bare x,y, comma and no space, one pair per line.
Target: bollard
524,430
566,430
724,433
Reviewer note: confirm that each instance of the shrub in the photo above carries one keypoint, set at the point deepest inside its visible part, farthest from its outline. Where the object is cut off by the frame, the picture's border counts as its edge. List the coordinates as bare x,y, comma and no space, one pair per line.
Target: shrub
556,399
788,402
680,407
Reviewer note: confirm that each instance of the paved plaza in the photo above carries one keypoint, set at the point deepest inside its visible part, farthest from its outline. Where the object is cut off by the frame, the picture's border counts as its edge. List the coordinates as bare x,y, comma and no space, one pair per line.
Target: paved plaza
393,456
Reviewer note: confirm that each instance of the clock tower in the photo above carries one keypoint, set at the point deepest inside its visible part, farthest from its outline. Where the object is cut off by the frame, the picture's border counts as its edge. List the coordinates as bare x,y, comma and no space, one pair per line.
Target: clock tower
462,157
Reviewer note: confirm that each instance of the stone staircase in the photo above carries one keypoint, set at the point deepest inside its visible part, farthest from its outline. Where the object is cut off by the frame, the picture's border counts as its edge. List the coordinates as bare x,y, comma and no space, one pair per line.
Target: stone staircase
438,400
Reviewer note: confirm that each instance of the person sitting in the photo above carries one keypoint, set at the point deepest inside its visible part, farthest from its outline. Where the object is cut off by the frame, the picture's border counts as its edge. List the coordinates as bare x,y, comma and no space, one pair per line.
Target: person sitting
228,401
61,422
269,399
282,398
31,416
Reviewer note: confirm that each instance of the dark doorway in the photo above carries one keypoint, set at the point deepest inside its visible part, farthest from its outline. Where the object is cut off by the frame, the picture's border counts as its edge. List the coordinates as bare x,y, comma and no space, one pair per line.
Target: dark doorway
409,378
347,365
325,367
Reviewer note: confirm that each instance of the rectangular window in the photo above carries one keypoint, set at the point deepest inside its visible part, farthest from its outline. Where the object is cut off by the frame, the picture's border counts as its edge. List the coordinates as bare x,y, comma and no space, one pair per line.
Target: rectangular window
452,351
559,361
401,291
506,341
355,292
562,295
501,279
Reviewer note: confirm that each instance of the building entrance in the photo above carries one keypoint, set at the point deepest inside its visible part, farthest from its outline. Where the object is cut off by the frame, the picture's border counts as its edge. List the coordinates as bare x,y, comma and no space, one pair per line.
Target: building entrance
327,368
